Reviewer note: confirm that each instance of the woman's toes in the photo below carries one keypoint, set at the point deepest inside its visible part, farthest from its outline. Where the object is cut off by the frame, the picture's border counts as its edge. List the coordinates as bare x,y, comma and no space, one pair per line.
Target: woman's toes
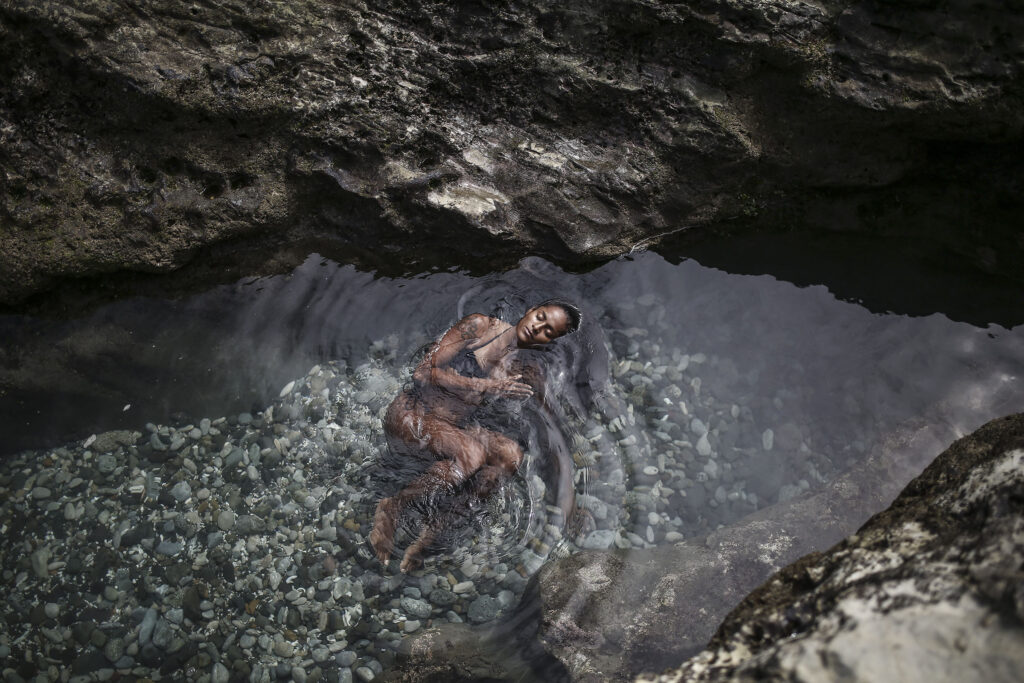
411,562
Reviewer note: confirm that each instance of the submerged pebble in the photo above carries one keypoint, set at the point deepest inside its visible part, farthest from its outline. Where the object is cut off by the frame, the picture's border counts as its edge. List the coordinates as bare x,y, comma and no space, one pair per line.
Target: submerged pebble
253,526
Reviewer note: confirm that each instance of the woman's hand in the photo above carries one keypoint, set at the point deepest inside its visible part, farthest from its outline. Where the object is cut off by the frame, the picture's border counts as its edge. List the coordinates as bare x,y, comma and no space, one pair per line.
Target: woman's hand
511,387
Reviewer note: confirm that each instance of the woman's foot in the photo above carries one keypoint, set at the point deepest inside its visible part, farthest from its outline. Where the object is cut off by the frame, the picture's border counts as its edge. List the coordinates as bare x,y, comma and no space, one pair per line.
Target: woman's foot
413,558
382,538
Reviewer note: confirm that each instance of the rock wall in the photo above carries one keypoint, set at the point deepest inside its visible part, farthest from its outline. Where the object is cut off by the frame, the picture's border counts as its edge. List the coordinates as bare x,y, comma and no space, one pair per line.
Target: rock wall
240,135
930,589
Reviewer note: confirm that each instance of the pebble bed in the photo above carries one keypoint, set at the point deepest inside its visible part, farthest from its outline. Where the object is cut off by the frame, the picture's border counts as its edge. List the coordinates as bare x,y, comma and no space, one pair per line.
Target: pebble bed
235,548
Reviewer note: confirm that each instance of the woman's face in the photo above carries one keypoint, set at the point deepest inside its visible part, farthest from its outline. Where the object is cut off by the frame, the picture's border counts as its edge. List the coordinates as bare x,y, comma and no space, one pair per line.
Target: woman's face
541,325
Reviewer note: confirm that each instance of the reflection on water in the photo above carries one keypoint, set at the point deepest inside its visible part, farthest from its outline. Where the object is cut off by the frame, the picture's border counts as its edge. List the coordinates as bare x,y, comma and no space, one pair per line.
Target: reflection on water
689,399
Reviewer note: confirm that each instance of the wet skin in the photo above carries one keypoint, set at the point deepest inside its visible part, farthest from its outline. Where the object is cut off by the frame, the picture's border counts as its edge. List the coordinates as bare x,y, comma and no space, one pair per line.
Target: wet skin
435,416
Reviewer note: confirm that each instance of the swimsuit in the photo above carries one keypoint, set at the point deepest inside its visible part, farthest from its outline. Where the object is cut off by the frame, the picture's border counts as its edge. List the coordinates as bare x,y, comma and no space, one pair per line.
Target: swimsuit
467,365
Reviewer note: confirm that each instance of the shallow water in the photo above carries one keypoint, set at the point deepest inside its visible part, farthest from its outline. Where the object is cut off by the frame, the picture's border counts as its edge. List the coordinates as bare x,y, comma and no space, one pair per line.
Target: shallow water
690,398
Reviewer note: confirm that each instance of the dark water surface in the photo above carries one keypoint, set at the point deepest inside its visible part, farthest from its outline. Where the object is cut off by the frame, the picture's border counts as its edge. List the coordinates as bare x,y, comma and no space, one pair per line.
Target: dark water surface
690,398
230,349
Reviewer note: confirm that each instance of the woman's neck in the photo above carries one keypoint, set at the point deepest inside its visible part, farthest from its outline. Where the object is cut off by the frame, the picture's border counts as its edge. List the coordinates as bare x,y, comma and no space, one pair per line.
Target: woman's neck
506,342
503,344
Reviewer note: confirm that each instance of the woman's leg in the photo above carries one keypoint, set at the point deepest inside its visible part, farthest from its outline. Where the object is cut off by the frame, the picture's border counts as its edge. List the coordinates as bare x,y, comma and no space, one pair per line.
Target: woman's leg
503,453
460,456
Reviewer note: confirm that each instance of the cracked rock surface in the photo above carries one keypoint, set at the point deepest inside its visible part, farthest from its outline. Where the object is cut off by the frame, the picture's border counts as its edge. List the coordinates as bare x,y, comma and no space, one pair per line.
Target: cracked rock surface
239,136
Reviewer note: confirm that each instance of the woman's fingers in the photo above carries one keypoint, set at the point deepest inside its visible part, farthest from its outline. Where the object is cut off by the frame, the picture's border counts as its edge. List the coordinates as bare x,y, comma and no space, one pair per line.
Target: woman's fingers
510,386
518,389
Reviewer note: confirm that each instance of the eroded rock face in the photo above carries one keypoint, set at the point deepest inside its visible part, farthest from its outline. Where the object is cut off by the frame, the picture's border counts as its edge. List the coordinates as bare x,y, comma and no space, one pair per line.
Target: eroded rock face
930,589
140,137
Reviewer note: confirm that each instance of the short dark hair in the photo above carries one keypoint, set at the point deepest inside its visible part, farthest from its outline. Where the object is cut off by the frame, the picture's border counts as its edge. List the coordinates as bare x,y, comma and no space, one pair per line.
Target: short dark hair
571,312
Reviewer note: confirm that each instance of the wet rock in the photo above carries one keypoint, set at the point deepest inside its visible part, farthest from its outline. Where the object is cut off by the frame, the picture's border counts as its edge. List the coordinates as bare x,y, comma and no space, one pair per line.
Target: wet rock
599,539
416,608
181,491
484,609
40,559
442,597
162,633
114,649
226,520
82,630
190,604
147,626
108,441
169,548
156,443
903,593
88,663
219,674
248,524
106,464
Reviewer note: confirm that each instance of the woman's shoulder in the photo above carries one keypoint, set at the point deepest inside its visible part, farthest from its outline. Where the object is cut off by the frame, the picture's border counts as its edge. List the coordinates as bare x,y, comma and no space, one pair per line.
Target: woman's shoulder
476,324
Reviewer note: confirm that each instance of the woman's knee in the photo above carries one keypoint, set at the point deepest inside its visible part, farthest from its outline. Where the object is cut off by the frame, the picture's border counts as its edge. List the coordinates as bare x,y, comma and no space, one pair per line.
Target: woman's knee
508,456
488,479
471,458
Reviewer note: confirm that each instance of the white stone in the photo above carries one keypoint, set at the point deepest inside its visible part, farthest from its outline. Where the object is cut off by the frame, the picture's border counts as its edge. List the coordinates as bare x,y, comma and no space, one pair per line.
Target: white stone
470,199
600,539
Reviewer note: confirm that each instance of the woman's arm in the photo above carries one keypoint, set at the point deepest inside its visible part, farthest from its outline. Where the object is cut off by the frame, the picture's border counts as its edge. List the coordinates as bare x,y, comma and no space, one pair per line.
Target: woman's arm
565,490
558,449
434,370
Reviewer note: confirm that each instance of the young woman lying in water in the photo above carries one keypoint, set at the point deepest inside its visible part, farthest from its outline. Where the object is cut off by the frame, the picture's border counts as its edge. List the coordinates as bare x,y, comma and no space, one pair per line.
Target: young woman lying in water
473,362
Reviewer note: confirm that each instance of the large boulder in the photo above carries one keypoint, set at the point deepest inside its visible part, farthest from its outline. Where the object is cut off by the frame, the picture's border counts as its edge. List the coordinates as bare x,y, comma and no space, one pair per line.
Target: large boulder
241,135
931,589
